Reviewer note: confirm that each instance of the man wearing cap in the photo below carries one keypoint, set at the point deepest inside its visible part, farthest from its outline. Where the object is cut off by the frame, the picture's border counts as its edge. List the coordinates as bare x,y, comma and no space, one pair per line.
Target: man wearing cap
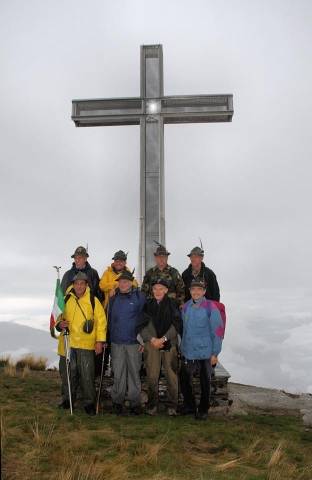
108,282
124,316
203,331
86,323
197,270
170,274
81,264
159,331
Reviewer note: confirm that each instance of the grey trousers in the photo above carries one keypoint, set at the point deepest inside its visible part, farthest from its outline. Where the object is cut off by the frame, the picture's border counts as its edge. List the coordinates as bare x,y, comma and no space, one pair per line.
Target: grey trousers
82,374
126,364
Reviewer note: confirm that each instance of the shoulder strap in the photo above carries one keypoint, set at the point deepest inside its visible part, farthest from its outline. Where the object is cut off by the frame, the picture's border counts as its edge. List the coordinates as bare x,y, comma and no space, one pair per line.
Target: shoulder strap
92,300
68,295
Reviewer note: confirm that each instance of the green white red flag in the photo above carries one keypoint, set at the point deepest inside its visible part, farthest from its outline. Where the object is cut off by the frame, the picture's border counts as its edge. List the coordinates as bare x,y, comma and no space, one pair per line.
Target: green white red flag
58,307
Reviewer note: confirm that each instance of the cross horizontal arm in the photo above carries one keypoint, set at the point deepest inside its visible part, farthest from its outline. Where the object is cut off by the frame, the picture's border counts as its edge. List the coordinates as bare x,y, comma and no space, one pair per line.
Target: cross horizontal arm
197,108
113,111
173,109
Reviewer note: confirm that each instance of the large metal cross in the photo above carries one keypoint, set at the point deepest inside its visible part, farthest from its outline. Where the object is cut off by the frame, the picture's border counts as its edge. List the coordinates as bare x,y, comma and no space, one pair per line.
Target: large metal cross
151,111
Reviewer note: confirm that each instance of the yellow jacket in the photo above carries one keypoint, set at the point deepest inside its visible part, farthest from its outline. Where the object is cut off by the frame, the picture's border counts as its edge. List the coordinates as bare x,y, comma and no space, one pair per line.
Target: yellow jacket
72,313
108,282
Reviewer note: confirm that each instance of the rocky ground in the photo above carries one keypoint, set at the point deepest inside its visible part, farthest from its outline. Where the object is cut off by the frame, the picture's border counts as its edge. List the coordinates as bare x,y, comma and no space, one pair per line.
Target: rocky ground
250,399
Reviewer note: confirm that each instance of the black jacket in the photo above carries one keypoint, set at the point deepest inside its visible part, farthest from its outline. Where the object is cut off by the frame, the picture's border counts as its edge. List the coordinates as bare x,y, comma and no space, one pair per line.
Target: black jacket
93,279
212,287
160,319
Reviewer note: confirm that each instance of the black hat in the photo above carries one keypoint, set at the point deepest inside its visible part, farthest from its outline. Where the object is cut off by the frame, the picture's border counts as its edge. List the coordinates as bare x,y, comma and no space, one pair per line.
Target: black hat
198,282
80,276
161,281
120,255
125,276
196,251
80,251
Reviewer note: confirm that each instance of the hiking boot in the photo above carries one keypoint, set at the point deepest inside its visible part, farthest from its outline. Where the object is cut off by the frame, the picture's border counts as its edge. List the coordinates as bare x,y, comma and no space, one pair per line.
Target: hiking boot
186,410
172,412
64,404
117,409
201,415
151,411
90,409
137,410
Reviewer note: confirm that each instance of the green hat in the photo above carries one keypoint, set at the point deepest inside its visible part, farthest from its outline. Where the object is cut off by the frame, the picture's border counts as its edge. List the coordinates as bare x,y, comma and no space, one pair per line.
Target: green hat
80,251
125,275
196,251
161,250
80,276
198,283
120,255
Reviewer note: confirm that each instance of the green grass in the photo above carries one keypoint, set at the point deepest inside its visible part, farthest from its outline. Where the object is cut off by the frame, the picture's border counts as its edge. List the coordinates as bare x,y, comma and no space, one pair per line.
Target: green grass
38,441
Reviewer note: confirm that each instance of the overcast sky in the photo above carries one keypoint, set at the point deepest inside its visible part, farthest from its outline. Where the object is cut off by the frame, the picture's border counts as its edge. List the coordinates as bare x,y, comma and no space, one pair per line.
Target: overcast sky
243,187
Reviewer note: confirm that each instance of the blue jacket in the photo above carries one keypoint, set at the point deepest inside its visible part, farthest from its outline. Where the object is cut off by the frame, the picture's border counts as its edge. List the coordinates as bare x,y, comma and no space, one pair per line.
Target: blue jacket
203,330
124,314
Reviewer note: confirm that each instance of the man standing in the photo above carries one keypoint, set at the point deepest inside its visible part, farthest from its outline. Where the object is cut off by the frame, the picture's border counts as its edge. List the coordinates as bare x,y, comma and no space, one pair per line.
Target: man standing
81,264
125,314
203,331
164,271
108,282
85,320
159,331
197,270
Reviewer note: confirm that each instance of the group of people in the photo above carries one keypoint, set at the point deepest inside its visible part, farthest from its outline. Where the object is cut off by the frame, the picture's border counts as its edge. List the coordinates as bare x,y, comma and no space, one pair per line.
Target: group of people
170,316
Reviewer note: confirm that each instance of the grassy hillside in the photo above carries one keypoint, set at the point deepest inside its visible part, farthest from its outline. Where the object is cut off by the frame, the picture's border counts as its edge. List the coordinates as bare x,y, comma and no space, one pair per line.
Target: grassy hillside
40,442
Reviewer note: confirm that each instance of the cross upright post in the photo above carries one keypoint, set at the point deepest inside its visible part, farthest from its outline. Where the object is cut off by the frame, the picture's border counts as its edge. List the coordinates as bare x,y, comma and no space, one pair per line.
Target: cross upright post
151,111
152,197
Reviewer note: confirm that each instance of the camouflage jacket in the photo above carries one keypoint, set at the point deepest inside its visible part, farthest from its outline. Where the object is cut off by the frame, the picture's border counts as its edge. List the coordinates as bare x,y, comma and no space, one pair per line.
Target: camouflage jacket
176,285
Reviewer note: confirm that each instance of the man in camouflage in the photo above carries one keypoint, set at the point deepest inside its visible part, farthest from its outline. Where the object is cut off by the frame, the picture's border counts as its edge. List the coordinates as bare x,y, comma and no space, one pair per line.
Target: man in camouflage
164,271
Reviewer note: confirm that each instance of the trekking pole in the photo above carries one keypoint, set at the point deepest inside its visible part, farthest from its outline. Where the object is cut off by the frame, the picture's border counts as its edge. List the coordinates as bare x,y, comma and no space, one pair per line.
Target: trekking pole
67,356
101,381
108,371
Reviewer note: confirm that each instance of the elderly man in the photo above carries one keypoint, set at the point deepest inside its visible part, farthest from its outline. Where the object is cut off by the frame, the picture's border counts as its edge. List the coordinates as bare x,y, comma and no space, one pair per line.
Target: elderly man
125,314
108,282
197,270
159,331
203,331
85,319
81,264
169,274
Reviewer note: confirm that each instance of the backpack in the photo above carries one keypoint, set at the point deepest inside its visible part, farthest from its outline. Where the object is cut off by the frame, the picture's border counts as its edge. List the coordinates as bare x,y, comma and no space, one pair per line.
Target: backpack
221,308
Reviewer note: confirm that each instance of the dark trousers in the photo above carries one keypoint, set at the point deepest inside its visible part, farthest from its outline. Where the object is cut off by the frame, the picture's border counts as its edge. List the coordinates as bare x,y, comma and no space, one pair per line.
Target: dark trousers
188,369
82,374
63,375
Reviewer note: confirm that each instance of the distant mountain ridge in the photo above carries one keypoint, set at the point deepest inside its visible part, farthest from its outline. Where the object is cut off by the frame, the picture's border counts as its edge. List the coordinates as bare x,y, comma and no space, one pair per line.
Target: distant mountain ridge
17,340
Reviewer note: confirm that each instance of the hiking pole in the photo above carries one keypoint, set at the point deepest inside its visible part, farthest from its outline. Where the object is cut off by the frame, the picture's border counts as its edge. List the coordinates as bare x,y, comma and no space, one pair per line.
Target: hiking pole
67,356
101,381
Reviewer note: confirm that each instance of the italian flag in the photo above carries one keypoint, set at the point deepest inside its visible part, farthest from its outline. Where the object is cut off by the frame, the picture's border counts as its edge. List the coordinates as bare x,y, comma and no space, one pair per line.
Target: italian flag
58,307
